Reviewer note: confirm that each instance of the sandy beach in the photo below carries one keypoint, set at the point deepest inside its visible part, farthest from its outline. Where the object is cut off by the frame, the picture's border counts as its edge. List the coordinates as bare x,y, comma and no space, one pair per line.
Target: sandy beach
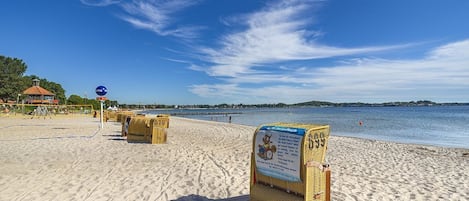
70,158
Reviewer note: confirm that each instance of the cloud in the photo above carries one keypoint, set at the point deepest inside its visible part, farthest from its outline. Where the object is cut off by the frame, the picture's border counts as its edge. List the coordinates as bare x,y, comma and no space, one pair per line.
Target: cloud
275,34
444,66
99,2
248,62
441,75
158,16
271,58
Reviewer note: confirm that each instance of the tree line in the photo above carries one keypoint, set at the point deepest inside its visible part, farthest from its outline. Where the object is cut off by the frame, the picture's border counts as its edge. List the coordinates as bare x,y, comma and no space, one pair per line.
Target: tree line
13,82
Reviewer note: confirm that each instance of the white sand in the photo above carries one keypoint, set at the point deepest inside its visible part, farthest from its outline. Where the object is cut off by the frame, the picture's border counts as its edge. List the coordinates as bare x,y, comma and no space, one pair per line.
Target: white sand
71,159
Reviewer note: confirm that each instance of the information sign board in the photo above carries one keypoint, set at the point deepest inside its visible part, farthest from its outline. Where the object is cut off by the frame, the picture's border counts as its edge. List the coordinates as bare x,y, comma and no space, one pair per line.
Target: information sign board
278,152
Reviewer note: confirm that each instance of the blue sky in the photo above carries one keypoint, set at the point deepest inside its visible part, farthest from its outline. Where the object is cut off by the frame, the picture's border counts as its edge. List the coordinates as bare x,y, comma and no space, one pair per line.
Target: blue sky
244,51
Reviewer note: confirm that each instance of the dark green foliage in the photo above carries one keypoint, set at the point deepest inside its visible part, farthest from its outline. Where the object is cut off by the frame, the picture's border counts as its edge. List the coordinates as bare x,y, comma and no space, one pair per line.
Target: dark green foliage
75,100
11,78
78,100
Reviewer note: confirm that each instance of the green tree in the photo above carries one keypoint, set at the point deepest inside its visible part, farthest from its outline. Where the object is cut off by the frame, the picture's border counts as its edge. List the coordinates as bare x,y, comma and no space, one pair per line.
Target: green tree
111,103
11,73
96,104
56,89
78,100
75,100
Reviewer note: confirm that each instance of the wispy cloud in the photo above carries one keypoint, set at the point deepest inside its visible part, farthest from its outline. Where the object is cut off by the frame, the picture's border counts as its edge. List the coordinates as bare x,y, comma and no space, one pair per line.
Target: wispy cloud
247,61
443,69
158,16
275,34
256,63
99,2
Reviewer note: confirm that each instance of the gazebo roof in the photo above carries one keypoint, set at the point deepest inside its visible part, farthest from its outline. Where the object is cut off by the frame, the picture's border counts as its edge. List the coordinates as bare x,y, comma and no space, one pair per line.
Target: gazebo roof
37,90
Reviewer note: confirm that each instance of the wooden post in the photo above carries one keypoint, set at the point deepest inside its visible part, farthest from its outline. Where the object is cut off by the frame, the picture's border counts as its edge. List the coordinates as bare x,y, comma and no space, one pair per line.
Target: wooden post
328,184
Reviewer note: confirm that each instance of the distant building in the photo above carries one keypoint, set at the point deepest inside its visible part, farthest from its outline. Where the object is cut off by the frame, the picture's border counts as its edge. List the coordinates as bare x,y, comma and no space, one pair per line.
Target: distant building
38,95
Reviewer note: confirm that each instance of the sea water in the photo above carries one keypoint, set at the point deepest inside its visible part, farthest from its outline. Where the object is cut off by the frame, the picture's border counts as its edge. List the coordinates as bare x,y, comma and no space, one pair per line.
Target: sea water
446,126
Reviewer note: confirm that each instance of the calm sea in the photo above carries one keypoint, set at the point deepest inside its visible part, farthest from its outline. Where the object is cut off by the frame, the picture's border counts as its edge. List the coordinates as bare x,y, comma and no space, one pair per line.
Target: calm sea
446,126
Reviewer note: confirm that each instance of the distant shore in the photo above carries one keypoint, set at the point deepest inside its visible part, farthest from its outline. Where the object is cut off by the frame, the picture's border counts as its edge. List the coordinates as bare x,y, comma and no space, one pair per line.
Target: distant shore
421,103
72,159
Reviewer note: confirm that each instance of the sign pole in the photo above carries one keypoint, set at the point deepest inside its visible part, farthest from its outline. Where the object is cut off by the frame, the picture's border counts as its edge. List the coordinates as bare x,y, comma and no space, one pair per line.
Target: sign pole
102,114
101,91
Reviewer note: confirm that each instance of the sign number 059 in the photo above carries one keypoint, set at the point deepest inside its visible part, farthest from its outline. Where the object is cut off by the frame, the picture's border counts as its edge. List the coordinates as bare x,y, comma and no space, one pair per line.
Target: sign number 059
316,141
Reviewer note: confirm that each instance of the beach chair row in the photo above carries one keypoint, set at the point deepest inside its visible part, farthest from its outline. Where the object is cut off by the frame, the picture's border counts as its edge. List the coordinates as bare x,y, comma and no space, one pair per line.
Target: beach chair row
116,115
139,128
142,129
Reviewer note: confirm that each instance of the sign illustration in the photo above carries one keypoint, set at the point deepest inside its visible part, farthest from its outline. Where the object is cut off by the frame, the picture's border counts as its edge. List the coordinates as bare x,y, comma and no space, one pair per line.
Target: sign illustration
267,149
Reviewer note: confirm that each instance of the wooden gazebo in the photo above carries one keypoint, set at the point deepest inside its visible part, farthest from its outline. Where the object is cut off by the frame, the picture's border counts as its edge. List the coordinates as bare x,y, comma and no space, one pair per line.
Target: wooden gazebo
38,95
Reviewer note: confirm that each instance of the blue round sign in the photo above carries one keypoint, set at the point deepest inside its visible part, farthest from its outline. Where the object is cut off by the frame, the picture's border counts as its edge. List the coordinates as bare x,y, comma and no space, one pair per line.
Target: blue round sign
101,90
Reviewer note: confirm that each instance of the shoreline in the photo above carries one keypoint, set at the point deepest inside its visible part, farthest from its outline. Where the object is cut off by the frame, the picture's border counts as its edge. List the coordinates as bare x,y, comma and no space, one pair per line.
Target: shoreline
355,137
61,159
456,149
434,126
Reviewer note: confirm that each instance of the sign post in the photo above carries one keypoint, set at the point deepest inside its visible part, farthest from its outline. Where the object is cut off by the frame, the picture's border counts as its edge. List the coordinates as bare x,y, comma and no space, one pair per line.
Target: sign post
101,91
